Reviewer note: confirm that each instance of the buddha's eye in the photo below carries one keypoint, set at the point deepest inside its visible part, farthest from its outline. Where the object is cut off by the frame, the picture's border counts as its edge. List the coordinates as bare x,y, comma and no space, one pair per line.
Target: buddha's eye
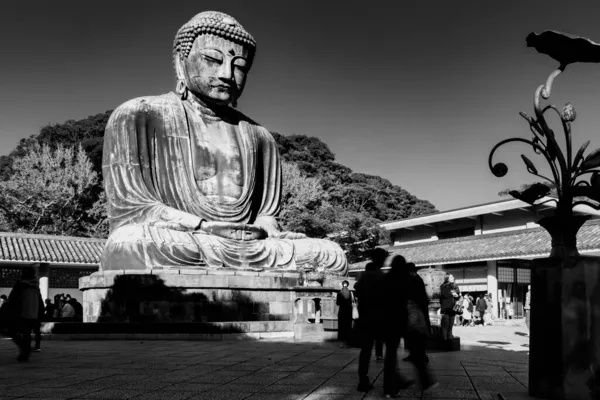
212,57
212,60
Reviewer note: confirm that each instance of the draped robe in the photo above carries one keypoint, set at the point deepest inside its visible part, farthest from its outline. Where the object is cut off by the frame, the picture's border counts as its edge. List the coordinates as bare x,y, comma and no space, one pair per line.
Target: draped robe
155,204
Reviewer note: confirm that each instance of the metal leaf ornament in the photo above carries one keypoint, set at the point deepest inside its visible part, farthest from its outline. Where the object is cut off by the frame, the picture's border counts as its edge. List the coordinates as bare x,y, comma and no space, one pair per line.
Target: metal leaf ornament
579,155
592,160
530,167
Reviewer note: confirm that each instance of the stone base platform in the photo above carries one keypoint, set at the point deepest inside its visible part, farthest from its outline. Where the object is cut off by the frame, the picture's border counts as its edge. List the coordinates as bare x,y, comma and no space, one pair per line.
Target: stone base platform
223,299
168,331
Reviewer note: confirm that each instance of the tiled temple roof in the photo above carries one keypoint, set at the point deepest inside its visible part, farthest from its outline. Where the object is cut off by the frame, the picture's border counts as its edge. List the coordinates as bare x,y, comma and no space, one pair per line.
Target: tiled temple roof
514,244
50,249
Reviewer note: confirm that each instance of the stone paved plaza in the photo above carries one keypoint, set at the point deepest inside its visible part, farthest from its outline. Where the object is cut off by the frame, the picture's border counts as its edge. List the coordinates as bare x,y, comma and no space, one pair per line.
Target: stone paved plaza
493,360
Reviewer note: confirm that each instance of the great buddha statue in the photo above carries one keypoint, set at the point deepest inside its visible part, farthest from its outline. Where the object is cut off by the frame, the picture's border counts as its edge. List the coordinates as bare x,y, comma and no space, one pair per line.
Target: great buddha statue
192,182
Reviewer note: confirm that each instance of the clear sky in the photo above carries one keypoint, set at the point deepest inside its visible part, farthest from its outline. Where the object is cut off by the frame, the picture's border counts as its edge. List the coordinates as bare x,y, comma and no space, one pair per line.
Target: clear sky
415,91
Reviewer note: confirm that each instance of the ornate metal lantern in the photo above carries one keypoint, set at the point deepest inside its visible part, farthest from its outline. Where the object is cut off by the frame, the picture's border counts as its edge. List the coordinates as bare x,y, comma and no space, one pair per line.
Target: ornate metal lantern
567,186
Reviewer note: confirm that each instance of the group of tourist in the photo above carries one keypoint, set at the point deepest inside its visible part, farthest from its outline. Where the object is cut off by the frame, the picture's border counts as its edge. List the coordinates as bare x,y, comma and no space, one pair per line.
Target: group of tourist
65,308
390,307
476,311
23,311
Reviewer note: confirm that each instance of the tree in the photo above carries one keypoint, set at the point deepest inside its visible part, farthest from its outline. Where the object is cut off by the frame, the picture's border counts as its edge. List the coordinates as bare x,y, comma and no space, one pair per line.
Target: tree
50,191
88,132
299,194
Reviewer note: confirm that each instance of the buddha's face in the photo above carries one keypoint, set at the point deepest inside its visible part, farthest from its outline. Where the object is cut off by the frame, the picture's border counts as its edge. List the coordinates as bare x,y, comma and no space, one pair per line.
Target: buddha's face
216,69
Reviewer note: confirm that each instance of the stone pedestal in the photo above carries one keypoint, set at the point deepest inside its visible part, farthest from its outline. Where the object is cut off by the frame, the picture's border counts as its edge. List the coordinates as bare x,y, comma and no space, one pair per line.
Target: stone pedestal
564,357
197,295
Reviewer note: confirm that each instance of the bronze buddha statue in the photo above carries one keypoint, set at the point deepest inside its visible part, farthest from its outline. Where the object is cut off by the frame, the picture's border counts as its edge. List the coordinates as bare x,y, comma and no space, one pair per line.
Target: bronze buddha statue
192,182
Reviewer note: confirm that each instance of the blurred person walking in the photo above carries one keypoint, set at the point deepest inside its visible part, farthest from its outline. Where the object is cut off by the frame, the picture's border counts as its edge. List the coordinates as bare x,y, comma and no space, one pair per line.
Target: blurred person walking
27,306
408,316
412,270
370,293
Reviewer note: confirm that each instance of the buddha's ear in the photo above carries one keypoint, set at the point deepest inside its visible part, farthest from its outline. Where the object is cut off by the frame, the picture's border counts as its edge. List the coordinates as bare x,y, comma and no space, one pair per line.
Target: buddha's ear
179,67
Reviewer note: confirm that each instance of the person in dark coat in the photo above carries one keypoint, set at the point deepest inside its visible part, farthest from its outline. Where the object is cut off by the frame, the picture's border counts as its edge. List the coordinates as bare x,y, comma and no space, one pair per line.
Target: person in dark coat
48,310
370,295
412,270
449,293
395,326
409,306
344,303
481,306
28,307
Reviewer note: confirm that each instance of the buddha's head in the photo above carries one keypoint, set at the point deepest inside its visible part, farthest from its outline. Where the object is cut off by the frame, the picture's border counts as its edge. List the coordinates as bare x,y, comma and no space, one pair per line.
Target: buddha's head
212,55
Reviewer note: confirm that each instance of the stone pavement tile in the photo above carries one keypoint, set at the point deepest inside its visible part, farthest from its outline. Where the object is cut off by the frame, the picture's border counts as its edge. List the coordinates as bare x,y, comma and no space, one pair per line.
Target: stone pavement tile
146,386
165,395
15,381
214,395
214,379
93,385
281,368
522,377
267,378
335,389
239,387
289,389
50,383
191,387
64,393
450,394
113,394
15,391
276,396
496,380
245,367
334,397
454,383
510,387
379,395
487,374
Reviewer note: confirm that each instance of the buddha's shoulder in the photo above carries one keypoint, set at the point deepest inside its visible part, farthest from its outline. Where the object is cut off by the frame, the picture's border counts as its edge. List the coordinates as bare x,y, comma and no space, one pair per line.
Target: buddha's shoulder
257,127
159,103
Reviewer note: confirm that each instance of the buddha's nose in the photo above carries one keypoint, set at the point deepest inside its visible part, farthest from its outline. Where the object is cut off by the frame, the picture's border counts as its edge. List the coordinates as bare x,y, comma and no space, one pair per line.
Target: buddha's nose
226,71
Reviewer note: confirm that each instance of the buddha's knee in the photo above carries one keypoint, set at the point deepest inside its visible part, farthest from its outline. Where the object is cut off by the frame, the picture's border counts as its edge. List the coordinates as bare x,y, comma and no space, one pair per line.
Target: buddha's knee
124,249
146,247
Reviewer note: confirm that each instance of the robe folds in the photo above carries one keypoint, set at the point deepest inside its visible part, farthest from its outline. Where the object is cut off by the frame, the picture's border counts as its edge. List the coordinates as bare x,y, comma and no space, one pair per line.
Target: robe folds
155,205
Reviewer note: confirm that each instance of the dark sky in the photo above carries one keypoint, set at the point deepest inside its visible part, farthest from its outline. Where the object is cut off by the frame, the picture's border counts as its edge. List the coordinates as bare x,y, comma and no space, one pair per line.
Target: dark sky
415,91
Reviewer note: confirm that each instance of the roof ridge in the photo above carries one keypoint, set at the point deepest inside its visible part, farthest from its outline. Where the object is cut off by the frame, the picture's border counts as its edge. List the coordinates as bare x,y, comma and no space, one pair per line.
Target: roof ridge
486,235
50,237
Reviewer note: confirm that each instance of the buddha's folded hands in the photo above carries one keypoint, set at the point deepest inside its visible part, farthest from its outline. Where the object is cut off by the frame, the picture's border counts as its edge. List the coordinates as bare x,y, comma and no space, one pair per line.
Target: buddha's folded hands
233,230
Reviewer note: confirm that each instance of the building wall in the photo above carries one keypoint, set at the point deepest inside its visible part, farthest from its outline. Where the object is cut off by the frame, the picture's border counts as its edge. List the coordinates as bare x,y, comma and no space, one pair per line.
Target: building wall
507,222
419,234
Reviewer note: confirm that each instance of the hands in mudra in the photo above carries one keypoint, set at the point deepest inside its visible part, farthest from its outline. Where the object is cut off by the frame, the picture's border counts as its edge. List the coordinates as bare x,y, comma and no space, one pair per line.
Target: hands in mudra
245,232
